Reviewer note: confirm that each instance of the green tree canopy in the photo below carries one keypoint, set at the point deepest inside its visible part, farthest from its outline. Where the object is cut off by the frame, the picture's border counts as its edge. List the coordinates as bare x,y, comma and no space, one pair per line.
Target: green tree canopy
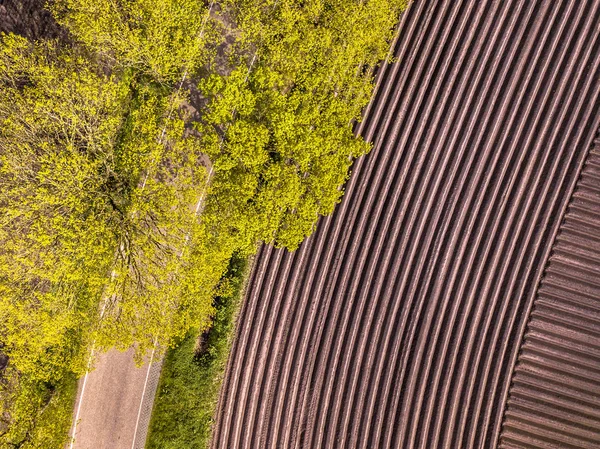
98,187
285,122
155,38
59,120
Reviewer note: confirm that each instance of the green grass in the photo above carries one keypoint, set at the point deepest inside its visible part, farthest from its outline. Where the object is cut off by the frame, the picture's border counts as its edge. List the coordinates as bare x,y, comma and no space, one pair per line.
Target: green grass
189,386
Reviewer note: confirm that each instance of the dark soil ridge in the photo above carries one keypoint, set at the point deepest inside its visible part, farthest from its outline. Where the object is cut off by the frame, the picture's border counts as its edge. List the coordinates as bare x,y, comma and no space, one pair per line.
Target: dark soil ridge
555,393
398,324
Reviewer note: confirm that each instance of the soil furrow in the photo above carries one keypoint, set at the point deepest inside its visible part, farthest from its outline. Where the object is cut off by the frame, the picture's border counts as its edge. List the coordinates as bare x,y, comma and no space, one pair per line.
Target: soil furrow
406,318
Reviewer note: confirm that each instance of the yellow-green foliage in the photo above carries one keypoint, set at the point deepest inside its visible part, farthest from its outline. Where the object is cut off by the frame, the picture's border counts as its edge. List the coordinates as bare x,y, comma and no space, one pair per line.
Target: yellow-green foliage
98,188
58,129
151,295
58,123
155,37
287,151
98,212
35,415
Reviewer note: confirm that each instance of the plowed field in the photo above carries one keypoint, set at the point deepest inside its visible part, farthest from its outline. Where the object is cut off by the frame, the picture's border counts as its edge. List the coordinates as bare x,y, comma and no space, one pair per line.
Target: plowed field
555,393
399,323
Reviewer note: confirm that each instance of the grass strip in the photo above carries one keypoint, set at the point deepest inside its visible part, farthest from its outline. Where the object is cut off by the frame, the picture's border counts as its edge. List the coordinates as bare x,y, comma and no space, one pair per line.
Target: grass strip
191,376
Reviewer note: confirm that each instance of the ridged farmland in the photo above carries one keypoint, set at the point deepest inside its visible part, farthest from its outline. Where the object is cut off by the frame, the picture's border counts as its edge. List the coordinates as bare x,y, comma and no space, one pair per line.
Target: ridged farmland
555,393
400,322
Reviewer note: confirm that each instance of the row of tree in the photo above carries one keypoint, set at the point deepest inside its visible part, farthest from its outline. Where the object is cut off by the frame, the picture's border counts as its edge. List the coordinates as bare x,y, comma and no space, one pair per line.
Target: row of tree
97,178
103,173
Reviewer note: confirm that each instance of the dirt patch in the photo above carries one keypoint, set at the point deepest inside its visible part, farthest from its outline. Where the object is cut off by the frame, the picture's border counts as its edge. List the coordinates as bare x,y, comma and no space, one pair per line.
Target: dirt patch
3,362
30,19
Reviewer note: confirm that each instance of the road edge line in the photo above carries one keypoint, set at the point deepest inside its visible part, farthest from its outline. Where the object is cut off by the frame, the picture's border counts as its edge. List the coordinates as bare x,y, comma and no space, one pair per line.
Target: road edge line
137,422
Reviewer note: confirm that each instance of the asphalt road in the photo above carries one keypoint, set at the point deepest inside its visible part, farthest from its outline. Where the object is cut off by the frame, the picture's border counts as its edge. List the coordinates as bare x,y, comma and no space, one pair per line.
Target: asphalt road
114,402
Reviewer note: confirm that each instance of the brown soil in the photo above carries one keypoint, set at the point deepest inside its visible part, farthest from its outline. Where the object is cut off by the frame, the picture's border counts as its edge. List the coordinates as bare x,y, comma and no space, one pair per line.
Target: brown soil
28,18
398,324
555,389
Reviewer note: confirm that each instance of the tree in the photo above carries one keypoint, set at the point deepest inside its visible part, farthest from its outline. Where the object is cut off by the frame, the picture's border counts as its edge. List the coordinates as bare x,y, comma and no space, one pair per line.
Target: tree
285,121
149,297
59,118
155,38
98,200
